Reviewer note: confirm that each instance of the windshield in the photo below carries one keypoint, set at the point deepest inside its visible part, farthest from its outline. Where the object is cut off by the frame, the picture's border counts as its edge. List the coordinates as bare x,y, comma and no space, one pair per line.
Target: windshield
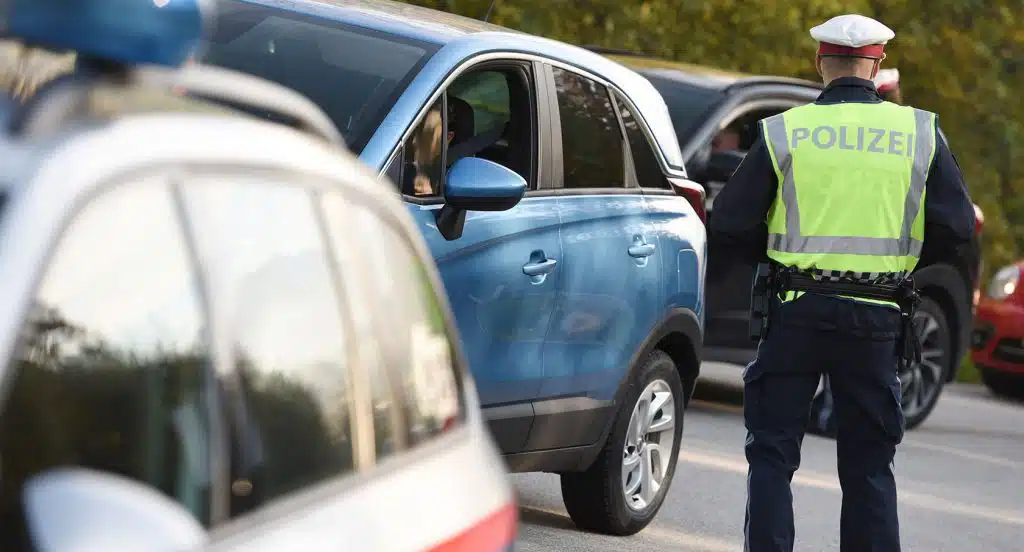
354,74
689,105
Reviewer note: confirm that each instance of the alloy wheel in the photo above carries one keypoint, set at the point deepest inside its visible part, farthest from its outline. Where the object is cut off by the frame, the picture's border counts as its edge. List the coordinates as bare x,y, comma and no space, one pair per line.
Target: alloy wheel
649,442
920,382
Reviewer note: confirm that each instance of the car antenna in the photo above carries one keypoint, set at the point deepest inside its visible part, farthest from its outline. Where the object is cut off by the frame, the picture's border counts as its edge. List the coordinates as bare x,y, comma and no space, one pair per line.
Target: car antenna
488,14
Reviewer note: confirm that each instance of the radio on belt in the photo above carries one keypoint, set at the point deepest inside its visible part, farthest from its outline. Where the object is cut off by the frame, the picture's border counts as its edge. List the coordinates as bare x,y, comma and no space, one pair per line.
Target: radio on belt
128,32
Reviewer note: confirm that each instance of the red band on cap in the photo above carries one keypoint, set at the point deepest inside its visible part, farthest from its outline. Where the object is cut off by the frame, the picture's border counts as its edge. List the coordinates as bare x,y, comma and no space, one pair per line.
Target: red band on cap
871,50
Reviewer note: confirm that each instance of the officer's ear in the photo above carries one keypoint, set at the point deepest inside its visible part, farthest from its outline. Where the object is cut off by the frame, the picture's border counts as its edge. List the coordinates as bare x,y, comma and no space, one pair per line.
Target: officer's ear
876,66
817,65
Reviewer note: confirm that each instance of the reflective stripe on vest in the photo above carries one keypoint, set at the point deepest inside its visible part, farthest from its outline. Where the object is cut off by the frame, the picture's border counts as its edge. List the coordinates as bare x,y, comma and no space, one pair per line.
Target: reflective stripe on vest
824,137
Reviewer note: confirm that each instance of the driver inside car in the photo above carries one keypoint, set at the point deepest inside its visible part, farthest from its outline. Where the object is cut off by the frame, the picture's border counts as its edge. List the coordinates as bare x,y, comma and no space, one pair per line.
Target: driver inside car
727,139
460,122
427,145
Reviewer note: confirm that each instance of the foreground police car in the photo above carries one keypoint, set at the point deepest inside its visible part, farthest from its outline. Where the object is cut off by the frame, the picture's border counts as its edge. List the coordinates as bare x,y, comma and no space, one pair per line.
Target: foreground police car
193,339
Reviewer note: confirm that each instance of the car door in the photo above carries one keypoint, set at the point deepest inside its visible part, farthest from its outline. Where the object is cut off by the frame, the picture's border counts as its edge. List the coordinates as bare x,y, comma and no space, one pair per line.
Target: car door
611,269
289,355
681,233
340,368
503,273
728,291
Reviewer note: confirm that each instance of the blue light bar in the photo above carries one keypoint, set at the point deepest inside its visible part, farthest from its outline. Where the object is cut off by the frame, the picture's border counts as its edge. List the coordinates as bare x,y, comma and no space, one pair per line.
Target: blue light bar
160,32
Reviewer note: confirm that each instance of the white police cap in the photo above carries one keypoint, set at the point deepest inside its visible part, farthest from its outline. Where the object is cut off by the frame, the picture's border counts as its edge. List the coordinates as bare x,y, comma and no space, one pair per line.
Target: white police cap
852,35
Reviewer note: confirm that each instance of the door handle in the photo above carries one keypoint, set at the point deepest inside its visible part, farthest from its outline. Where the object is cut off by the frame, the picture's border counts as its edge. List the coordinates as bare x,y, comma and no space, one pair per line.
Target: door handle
539,267
641,250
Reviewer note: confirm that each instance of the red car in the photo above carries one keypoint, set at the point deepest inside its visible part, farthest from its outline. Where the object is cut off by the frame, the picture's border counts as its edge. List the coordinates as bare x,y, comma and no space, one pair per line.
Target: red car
997,344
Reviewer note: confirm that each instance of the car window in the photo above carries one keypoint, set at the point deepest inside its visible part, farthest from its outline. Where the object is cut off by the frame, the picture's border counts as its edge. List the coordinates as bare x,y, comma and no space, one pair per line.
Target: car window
353,73
486,92
270,271
689,104
741,133
648,171
406,320
110,371
592,144
488,114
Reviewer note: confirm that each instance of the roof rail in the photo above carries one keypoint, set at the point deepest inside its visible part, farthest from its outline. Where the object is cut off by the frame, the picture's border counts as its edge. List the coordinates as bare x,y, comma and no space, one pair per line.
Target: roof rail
77,95
611,51
768,79
244,92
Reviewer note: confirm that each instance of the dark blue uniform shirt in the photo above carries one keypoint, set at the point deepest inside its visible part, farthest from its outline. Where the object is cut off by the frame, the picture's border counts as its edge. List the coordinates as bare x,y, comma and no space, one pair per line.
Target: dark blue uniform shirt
738,223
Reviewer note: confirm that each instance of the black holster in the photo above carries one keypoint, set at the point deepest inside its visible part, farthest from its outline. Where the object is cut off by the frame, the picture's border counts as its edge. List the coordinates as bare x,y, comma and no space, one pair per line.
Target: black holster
762,294
909,343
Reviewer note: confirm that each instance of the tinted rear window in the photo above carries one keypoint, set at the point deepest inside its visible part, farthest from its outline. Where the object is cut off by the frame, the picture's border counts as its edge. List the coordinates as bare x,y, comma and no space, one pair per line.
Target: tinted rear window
689,105
354,74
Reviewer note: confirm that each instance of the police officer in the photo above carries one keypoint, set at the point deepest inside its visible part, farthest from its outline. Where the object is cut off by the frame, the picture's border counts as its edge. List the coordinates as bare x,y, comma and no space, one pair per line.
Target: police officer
841,197
821,421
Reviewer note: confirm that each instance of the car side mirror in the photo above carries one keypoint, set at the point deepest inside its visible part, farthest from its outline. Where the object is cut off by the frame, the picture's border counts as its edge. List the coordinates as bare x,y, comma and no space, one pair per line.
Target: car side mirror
74,509
475,184
722,164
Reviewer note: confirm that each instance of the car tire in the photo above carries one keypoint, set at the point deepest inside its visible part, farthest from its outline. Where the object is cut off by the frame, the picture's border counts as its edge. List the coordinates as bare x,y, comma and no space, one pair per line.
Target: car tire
596,499
1001,384
922,383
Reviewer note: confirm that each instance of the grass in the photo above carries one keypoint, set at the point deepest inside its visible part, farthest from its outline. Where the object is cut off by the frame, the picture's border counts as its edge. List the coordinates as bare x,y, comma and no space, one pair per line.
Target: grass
968,373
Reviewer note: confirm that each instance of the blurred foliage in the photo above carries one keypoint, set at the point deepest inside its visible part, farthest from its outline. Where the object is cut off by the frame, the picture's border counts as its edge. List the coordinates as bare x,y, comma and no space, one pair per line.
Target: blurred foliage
960,58
968,372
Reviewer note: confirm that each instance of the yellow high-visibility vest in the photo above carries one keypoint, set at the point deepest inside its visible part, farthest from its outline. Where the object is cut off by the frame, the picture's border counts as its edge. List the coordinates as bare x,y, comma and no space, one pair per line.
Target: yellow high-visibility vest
850,202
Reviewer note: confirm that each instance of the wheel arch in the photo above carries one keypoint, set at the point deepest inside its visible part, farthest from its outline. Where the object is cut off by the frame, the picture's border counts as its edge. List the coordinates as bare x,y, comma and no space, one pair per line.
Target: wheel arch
680,335
944,285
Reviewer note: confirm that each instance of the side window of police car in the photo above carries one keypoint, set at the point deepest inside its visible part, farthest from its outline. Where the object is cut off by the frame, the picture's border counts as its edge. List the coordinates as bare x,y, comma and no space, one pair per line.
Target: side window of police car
593,150
110,370
645,163
292,346
487,113
404,324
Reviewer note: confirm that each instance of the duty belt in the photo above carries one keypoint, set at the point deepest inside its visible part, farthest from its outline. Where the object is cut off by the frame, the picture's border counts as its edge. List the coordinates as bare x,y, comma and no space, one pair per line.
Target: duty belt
898,293
773,280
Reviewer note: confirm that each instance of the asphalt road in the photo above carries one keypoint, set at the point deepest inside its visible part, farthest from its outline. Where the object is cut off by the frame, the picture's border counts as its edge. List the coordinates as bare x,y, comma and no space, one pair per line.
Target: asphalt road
961,484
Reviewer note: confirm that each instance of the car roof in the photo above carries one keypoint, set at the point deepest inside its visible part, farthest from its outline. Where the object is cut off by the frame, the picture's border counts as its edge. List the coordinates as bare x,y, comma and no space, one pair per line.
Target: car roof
190,137
394,17
693,74
463,38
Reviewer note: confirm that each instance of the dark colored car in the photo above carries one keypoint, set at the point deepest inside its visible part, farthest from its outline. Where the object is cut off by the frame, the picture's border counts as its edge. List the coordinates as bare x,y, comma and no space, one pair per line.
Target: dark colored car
715,114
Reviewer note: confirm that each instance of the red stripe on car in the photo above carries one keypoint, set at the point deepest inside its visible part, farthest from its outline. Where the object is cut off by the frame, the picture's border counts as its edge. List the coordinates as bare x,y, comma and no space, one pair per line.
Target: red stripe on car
493,533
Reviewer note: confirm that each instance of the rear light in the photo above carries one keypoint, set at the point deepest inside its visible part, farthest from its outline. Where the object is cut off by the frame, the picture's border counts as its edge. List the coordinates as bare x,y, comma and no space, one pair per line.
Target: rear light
979,219
694,194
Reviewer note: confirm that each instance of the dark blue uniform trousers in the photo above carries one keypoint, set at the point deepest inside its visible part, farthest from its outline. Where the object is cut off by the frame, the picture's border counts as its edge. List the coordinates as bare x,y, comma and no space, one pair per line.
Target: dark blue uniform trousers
855,345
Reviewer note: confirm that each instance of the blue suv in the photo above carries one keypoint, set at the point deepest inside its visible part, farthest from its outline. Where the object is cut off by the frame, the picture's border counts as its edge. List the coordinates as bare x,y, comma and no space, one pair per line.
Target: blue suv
549,185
